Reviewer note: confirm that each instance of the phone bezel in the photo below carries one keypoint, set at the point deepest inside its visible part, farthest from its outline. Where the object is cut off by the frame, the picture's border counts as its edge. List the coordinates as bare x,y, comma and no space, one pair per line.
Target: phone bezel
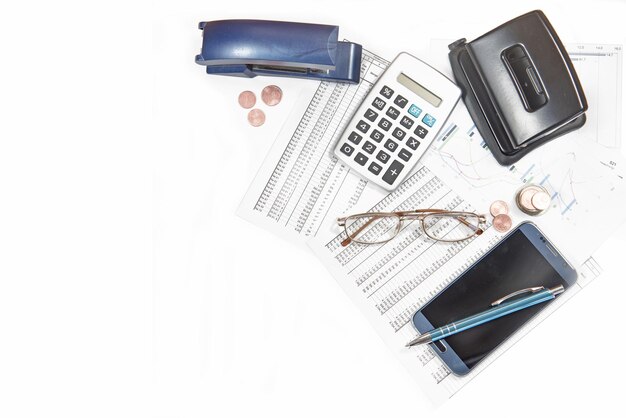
549,253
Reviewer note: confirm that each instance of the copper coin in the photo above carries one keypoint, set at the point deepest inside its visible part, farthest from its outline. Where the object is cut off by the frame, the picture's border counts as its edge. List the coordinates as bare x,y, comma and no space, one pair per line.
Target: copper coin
247,99
541,201
256,117
502,222
272,95
499,207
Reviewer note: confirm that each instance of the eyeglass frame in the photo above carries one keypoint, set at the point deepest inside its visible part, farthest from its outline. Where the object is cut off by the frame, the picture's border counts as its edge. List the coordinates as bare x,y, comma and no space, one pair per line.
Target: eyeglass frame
418,214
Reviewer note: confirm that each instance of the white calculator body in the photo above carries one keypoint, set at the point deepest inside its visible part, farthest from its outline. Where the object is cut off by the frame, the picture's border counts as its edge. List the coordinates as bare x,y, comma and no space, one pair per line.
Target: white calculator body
397,121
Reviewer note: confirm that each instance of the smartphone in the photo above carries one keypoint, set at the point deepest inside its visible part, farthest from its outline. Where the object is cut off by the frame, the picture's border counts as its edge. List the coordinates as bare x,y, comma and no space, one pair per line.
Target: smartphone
524,258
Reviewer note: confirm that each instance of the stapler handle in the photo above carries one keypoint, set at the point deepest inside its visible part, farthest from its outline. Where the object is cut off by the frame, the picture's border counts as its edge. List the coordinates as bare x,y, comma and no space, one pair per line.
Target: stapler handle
248,48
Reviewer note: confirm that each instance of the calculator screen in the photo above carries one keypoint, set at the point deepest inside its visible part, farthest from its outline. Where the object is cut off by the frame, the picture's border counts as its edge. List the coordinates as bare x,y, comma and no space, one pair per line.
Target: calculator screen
420,90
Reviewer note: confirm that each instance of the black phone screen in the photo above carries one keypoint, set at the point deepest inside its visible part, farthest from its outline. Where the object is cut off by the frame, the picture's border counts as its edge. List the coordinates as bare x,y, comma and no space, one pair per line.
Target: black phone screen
513,265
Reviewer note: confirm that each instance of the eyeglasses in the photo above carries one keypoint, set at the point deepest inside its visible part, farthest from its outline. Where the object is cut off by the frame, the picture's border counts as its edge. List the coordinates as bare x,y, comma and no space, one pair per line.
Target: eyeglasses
437,224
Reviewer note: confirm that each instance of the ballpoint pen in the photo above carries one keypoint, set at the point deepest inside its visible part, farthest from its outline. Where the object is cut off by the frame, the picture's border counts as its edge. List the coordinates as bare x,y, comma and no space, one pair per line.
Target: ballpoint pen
537,295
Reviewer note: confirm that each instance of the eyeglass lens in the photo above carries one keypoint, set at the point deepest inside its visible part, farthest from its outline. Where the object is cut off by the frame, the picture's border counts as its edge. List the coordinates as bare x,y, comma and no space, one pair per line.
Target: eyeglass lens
451,227
372,229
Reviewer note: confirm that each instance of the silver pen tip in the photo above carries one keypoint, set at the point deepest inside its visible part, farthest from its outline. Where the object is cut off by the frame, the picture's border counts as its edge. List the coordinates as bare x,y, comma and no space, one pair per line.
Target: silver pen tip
424,338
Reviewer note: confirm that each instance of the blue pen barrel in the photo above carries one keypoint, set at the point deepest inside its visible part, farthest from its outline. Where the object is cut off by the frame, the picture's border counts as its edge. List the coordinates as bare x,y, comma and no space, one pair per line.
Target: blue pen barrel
491,314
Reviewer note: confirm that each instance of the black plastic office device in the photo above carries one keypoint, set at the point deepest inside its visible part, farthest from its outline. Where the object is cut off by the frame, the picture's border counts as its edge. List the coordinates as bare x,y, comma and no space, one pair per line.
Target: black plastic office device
519,86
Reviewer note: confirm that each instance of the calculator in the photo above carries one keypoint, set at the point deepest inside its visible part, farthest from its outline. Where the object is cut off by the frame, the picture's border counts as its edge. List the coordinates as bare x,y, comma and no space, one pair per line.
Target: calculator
397,121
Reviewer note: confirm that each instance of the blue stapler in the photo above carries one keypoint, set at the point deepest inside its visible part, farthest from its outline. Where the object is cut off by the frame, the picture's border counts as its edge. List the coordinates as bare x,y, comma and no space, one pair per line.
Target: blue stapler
247,48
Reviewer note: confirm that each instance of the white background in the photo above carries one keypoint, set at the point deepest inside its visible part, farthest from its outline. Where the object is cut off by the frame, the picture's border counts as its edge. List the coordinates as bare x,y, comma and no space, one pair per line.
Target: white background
128,287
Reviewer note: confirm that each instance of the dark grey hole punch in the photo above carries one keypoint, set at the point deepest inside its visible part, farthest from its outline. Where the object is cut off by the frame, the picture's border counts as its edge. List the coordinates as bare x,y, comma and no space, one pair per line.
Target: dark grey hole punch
519,86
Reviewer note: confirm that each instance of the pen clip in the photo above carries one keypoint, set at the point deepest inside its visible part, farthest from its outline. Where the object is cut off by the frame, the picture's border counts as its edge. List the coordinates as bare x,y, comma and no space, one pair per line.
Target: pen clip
519,292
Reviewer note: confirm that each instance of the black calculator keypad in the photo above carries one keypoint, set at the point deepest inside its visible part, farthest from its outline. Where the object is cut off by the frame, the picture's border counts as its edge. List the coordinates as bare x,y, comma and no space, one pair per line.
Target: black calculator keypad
401,101
392,173
347,149
369,147
385,124
404,154
389,116
379,103
390,145
387,92
355,138
412,143
375,168
370,115
407,122
398,134
377,135
421,131
381,156
393,113
363,126
361,159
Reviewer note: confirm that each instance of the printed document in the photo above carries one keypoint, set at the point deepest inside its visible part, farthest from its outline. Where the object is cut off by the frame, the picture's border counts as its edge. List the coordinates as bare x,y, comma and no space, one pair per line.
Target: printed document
302,188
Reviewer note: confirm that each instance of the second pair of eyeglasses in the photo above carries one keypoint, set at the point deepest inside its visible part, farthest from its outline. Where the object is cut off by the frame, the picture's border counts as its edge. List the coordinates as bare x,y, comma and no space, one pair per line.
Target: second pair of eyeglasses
437,224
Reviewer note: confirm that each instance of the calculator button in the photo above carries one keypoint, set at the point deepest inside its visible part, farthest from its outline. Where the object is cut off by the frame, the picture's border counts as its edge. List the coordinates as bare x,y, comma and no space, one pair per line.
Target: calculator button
370,115
414,110
398,133
428,120
387,92
378,103
413,143
404,154
347,149
369,147
376,135
393,172
400,101
393,113
407,122
354,137
421,131
385,124
360,159
381,156
375,168
363,126
390,145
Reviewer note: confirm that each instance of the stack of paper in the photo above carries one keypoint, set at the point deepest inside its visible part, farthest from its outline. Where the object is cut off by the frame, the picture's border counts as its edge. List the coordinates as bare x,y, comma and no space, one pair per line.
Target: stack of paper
302,188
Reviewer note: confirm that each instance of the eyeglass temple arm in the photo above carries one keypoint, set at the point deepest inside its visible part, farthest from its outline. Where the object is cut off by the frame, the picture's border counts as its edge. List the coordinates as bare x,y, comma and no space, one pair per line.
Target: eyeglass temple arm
348,240
469,225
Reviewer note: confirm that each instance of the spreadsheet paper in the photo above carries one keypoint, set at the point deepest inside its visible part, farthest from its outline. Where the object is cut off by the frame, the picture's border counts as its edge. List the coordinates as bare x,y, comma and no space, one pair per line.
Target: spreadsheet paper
301,188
